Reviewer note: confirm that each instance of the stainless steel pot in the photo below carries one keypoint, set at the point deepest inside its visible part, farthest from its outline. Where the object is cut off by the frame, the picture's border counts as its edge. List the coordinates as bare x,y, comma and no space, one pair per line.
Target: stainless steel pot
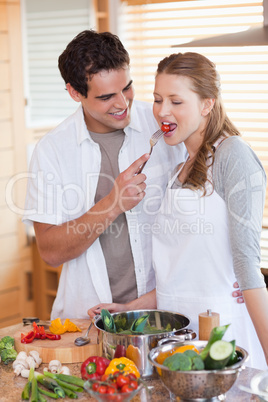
137,347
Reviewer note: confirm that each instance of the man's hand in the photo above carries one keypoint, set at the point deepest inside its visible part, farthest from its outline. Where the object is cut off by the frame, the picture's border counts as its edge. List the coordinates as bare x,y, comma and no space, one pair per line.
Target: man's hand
237,293
129,187
112,307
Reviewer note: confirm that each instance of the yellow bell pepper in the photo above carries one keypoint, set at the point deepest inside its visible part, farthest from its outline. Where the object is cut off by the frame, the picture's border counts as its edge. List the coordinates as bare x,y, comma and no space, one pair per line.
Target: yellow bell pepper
122,364
57,327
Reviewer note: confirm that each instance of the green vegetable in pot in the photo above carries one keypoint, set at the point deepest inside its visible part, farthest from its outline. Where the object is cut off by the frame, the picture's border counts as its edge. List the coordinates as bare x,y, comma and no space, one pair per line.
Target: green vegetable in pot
139,324
8,355
120,323
108,321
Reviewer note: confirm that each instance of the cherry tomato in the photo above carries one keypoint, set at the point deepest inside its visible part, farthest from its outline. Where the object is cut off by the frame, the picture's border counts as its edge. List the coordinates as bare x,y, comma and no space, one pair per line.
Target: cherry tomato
131,376
102,389
122,380
133,384
95,386
110,390
104,377
127,388
165,128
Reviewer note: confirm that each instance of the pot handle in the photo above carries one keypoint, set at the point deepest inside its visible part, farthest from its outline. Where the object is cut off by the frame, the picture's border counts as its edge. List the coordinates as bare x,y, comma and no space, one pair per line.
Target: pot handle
179,336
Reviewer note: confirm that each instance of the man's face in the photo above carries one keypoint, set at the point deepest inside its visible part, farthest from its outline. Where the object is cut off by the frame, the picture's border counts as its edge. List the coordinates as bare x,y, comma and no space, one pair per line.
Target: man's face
109,100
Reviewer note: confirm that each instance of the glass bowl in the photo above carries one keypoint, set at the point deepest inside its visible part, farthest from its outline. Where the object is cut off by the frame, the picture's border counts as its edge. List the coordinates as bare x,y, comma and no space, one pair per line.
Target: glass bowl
120,397
259,385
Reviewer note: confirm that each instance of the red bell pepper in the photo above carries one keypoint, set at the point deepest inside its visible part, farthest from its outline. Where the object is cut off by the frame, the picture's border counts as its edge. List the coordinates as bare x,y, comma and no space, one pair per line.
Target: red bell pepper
94,367
38,333
28,338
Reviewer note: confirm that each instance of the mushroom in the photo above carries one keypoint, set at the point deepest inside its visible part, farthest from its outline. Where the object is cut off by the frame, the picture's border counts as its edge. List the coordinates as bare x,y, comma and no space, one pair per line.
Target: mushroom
22,355
54,366
36,357
19,364
65,370
31,362
25,373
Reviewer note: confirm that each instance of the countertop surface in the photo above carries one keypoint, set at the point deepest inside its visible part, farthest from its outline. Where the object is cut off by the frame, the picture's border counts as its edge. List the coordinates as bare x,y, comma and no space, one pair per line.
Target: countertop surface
11,386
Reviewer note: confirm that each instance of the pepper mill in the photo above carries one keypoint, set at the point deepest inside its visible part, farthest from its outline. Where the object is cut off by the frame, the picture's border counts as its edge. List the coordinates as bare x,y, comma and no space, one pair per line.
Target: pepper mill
207,321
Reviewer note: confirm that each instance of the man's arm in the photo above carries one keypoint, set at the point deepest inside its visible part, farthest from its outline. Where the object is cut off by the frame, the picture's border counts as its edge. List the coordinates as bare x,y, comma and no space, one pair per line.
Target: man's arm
145,302
58,244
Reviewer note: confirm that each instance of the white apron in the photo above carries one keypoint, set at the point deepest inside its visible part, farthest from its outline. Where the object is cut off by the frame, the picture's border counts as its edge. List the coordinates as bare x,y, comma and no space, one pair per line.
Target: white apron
194,268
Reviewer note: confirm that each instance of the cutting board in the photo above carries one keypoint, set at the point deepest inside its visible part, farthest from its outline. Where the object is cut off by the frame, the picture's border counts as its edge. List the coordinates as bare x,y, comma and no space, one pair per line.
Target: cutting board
64,349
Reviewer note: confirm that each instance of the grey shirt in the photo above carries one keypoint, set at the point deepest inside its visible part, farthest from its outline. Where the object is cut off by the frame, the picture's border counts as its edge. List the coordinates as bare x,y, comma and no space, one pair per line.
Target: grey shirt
239,179
114,240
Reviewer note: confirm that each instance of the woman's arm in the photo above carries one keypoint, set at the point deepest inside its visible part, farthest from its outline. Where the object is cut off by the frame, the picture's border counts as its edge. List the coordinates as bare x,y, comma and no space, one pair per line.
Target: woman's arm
147,301
257,304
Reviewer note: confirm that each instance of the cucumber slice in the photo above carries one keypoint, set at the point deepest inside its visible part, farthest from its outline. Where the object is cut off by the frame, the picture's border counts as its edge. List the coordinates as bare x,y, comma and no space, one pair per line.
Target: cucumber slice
215,335
219,355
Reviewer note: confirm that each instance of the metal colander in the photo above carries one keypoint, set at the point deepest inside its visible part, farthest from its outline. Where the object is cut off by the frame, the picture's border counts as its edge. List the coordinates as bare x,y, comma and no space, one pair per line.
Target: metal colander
196,385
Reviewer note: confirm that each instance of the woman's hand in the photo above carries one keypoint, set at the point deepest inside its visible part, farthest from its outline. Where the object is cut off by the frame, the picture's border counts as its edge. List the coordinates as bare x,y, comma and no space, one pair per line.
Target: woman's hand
237,293
112,307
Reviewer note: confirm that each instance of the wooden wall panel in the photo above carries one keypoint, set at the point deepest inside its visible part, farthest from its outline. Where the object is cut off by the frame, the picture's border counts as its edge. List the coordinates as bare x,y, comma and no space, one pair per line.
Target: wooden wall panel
15,252
3,46
5,76
3,17
11,301
6,163
3,183
8,222
9,249
10,277
5,105
6,137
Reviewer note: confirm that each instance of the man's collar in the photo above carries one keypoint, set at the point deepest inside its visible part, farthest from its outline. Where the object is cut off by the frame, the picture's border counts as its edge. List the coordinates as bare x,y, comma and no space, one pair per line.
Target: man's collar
82,131
81,128
134,121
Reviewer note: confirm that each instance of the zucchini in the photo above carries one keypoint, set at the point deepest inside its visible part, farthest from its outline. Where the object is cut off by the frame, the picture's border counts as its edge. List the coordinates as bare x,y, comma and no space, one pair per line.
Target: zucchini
215,335
234,356
219,355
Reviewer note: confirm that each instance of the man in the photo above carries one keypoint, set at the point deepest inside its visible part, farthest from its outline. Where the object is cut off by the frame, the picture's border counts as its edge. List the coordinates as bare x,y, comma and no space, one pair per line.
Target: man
85,200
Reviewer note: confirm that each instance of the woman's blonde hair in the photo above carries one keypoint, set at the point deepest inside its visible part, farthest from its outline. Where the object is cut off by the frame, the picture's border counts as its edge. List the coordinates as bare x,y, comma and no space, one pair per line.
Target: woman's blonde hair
206,84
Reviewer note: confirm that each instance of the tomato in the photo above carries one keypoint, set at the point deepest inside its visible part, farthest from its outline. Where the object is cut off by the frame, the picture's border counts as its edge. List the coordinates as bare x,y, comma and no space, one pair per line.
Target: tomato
133,384
165,128
102,389
132,376
95,386
104,377
122,380
127,388
110,390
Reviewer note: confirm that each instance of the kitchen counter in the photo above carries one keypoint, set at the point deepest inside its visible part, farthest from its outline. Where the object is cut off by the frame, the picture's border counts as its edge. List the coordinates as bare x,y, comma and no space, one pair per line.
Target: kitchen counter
11,386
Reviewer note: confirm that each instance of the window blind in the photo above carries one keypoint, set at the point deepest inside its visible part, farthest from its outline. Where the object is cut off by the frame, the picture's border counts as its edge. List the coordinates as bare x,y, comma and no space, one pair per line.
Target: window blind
150,31
49,27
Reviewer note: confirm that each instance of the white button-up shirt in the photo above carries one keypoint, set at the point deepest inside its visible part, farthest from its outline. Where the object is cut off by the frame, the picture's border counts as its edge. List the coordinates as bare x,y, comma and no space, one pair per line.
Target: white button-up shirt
63,179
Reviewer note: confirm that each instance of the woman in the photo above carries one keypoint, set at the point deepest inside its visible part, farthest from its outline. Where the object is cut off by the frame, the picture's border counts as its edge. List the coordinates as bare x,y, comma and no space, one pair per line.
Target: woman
207,232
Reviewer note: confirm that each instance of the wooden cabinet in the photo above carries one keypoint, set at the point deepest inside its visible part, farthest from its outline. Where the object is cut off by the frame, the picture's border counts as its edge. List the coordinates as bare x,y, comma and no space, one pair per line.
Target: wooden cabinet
45,285
102,15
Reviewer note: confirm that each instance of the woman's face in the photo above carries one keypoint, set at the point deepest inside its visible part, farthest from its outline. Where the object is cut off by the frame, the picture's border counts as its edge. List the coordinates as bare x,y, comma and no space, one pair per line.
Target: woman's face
175,103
